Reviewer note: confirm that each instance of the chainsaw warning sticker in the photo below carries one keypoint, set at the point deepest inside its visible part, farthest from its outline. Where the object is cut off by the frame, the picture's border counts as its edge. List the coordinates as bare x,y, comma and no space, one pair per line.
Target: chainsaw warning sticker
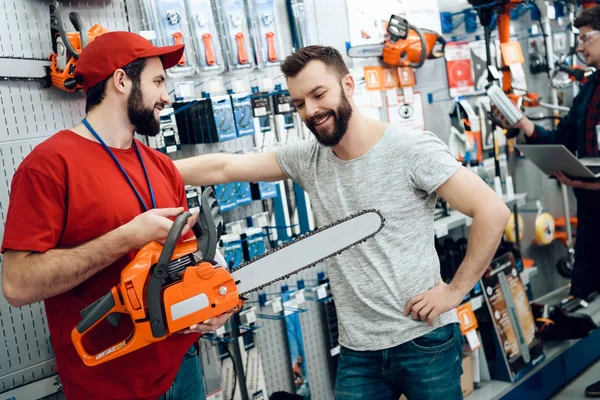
112,349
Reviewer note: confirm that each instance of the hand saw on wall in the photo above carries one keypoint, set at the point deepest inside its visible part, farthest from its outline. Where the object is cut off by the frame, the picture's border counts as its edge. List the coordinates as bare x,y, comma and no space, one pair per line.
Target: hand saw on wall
166,289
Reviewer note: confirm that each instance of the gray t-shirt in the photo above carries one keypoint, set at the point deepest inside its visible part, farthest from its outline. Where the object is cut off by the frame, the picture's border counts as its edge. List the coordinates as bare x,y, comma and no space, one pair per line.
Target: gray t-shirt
373,282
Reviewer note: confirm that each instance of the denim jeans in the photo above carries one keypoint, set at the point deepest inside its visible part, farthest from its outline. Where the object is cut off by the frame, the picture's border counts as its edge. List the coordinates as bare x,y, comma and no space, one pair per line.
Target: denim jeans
189,382
426,368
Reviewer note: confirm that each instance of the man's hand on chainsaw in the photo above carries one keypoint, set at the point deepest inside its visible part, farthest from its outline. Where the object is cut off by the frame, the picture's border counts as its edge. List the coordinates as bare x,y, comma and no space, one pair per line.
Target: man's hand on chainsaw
210,325
154,225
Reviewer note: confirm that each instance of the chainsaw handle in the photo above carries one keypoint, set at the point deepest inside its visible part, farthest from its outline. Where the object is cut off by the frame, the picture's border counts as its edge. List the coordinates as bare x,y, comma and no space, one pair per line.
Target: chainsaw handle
77,22
91,316
423,47
441,41
62,32
93,313
159,274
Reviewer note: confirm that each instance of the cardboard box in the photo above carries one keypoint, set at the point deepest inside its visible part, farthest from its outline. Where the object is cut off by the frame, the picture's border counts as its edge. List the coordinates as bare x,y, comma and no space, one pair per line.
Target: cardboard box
466,380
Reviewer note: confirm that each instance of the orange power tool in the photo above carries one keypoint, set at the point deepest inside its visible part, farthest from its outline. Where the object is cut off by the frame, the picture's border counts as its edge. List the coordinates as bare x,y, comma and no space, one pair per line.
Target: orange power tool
165,289
405,45
67,47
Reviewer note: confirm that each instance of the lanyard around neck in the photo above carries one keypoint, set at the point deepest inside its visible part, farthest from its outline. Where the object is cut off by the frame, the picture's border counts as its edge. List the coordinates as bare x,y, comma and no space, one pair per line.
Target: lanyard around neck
89,127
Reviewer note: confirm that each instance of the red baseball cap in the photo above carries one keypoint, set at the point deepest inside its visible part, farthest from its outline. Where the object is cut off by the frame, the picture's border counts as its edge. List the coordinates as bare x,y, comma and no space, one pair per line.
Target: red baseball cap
114,50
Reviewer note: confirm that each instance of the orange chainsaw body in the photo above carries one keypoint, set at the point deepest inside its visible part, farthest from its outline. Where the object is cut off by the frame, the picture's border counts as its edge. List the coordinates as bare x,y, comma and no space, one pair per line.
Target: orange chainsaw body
64,78
165,288
205,291
406,51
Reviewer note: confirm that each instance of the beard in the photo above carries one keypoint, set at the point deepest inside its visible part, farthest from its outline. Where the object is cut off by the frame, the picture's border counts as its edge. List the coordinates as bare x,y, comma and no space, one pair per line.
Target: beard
140,116
341,118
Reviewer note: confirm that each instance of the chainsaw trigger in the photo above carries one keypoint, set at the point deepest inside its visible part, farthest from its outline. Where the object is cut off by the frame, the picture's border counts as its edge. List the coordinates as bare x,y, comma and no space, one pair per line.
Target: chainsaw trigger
114,318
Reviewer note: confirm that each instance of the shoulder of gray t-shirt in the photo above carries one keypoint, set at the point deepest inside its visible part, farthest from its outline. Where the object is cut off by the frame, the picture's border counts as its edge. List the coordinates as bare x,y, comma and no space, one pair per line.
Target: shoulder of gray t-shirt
425,156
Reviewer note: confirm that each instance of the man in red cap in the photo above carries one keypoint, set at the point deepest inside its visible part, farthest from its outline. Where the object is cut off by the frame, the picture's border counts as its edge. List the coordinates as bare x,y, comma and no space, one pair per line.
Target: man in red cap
82,204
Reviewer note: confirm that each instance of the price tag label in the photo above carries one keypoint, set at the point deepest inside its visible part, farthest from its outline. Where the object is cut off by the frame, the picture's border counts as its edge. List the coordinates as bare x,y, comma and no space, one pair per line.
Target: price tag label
392,97
473,340
322,292
249,316
277,306
171,149
300,297
441,231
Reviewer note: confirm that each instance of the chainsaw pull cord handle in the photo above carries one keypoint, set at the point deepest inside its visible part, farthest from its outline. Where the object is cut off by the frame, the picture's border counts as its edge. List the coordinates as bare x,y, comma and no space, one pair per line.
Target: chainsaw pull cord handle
159,274
78,23
423,47
63,34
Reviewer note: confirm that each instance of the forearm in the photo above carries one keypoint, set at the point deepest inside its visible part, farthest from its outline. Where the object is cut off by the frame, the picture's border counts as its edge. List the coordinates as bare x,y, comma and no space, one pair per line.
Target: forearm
43,275
204,170
486,232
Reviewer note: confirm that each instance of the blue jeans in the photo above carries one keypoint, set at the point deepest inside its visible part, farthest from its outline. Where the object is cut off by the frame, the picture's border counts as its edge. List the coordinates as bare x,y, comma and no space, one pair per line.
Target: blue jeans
189,383
426,368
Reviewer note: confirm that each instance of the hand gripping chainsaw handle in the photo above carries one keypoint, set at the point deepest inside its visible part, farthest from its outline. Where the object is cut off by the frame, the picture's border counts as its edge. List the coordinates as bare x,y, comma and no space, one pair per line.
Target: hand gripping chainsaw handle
165,289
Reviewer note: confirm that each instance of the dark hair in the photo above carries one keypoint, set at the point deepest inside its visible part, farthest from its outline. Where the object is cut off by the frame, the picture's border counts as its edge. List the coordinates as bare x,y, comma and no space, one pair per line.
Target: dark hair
95,94
295,62
588,17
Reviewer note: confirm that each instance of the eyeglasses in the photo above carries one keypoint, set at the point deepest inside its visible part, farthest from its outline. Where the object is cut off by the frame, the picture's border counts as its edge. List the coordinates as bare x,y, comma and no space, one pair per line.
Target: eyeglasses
588,37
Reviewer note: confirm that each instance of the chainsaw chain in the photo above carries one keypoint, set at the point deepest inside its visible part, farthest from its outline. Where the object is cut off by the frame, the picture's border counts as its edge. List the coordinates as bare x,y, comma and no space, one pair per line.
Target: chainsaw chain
23,78
304,236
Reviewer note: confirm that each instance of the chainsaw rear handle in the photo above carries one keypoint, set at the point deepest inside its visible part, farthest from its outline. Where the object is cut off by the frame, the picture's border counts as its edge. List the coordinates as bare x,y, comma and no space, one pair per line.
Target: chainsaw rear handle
91,316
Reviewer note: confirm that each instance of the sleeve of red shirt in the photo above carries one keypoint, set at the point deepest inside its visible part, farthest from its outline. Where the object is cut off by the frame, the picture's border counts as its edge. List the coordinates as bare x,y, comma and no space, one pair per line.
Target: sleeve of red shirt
36,212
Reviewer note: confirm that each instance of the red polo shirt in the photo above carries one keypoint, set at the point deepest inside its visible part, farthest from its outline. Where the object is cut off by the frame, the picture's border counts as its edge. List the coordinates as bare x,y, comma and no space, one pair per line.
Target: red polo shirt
69,191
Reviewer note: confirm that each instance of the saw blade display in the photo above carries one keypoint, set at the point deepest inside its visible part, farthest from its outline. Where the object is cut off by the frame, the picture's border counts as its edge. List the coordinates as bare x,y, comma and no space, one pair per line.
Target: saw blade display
306,251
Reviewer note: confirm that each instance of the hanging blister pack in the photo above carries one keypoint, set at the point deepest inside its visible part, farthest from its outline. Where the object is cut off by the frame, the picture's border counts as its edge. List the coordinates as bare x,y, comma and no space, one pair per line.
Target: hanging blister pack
223,118
244,119
264,133
169,17
205,35
237,34
285,123
298,17
167,140
266,32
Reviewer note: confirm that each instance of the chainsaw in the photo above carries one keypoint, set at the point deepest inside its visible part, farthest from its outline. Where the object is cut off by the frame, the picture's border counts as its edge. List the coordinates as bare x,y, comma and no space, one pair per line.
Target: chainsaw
405,46
67,47
166,289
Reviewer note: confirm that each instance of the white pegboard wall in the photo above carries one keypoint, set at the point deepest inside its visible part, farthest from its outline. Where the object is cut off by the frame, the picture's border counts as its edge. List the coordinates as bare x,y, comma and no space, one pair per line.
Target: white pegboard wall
31,111
11,155
272,341
25,24
25,345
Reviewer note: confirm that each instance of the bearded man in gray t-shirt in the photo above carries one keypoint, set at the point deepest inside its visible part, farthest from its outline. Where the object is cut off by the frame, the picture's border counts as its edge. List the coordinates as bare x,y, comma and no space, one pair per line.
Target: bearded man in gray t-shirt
397,318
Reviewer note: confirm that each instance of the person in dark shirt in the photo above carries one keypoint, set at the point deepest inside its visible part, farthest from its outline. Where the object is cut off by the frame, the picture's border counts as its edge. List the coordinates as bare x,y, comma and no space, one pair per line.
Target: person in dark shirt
579,131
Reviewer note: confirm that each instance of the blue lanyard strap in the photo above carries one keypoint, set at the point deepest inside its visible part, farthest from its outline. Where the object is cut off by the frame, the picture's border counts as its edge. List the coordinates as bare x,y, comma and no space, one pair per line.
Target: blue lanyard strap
89,127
